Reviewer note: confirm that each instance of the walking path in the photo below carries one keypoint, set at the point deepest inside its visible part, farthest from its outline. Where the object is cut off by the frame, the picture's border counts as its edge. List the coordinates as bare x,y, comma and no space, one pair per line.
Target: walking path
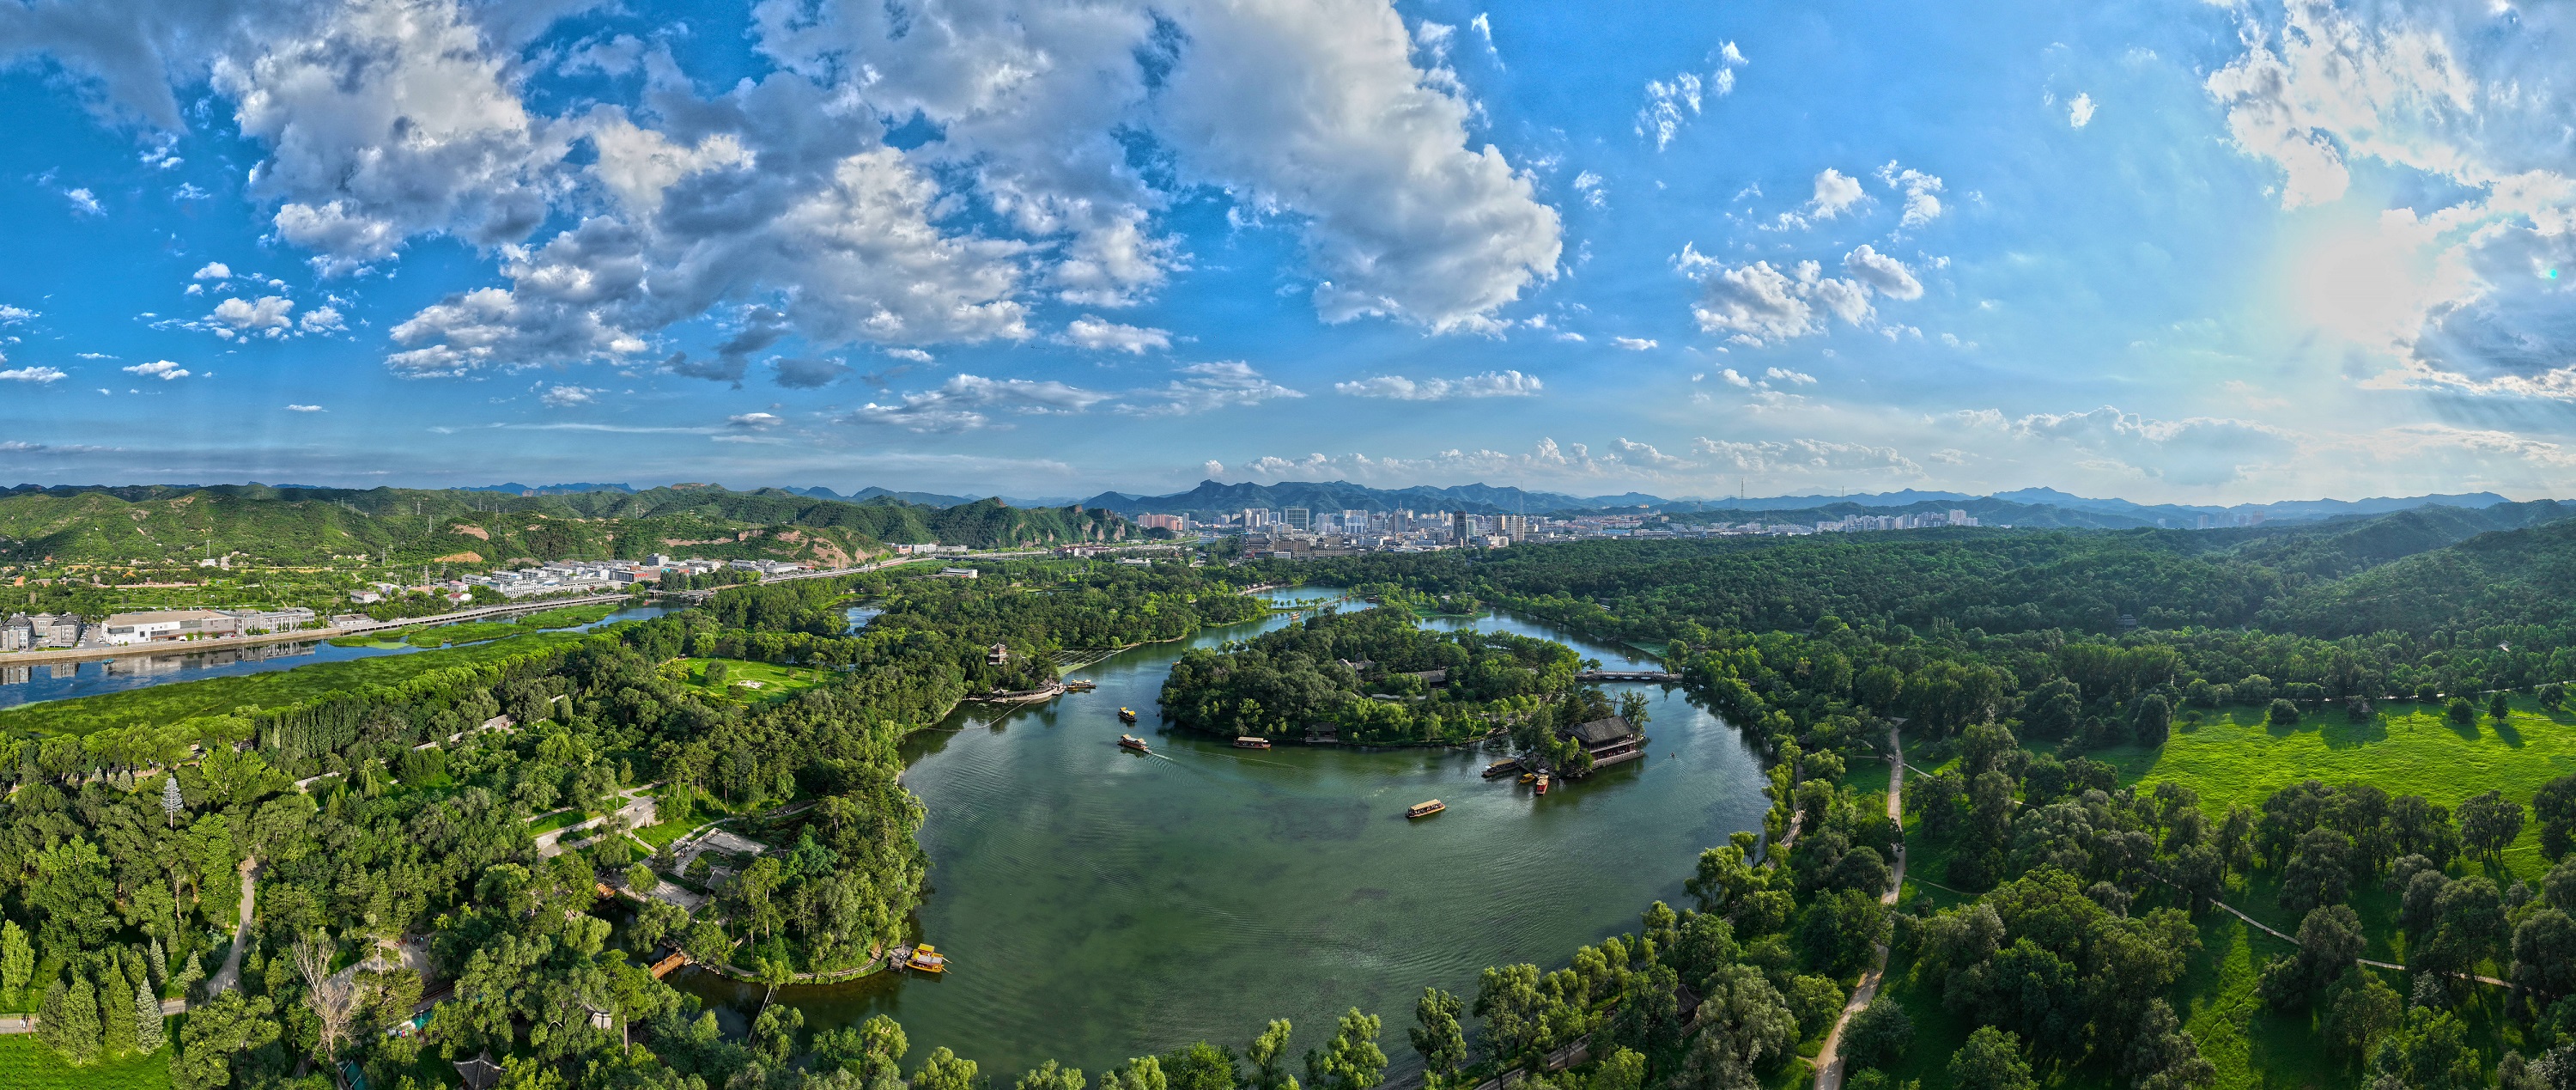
230,975
1829,1060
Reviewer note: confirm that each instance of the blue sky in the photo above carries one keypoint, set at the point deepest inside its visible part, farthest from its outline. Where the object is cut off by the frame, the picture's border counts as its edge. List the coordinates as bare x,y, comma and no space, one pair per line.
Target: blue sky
2174,251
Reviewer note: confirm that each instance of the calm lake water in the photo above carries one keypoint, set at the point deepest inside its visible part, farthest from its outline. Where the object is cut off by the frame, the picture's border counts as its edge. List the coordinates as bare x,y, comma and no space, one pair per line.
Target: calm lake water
1097,904
62,681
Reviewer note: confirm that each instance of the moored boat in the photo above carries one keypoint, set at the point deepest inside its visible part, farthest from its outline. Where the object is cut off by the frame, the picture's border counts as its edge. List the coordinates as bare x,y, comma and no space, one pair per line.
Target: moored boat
1503,767
1425,809
1542,783
1130,741
1529,777
928,959
1250,742
1125,716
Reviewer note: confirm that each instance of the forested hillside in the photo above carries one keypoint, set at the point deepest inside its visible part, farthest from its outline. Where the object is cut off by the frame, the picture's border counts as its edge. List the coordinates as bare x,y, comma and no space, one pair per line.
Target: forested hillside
305,526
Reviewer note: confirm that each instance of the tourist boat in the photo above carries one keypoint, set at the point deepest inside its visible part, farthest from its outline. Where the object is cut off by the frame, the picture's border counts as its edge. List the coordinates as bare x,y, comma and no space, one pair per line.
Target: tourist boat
1529,778
1502,768
1080,686
1425,809
1125,716
1542,783
1250,742
1130,741
928,959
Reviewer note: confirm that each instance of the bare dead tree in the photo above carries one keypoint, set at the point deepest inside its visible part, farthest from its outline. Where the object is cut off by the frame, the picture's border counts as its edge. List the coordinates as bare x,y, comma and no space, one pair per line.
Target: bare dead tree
335,998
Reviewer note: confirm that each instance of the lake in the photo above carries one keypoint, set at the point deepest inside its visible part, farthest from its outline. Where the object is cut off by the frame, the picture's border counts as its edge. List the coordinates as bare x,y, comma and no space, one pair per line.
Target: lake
1098,904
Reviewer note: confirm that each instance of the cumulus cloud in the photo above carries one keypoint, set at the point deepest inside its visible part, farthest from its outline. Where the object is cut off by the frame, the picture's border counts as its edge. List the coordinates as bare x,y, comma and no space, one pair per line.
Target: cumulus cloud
1101,336
83,202
38,375
964,402
267,316
1633,344
164,370
1886,274
1922,193
1794,378
1488,384
10,315
2079,112
1758,304
213,270
322,320
560,397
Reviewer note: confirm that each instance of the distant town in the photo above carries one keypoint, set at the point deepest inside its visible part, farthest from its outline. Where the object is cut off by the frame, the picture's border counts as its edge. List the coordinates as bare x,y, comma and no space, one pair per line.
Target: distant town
1297,531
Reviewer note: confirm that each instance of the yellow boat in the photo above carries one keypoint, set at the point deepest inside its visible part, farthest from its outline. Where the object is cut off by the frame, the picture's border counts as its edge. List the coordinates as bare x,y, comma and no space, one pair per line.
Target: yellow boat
1125,716
1529,777
1425,809
928,959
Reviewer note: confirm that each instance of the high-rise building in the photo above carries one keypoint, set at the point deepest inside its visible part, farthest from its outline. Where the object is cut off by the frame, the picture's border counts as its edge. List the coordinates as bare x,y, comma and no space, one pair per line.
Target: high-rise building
1297,519
1174,523
1514,527
1461,526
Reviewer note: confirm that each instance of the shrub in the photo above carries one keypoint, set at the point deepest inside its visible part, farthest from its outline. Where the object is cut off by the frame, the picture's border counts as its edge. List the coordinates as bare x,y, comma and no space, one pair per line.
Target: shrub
2282,713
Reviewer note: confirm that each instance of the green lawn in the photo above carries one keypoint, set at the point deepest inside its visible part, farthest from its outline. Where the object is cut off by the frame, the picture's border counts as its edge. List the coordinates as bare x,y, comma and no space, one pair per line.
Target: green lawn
547,823
26,1064
771,681
215,696
2410,749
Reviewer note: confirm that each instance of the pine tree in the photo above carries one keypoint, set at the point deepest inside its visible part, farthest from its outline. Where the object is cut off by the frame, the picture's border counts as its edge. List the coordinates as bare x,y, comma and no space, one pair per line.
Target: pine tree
115,1018
147,1021
69,1022
171,803
160,963
17,960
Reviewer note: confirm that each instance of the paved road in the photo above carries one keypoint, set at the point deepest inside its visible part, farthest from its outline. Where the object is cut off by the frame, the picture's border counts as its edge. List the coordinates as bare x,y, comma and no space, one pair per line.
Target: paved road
639,812
1830,1060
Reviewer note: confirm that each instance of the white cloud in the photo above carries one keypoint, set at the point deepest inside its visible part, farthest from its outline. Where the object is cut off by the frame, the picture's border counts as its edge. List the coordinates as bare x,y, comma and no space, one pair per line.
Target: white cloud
213,270
1671,103
561,397
1794,378
1757,303
322,320
2079,112
1592,188
2191,451
267,316
1835,193
1735,380
962,402
83,202
1633,344
1645,454
1882,272
1488,384
10,315
304,408
1922,193
160,369
1317,108
1102,336
1206,386
38,375
1805,456
754,420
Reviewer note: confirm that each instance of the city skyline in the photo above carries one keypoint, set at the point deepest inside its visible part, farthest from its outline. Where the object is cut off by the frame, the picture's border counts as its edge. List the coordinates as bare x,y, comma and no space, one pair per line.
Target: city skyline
2201,254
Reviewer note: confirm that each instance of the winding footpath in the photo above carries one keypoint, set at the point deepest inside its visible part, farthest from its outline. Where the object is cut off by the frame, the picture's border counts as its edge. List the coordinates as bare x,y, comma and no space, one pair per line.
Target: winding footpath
1829,1059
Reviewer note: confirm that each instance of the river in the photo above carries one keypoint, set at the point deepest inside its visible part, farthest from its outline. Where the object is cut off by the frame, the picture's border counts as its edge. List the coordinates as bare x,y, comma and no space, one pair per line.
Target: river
63,681
1098,904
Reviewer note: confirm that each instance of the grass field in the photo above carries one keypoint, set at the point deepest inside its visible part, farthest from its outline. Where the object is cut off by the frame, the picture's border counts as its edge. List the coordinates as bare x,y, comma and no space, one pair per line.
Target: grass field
213,696
570,616
547,823
772,682
2234,757
466,632
26,1064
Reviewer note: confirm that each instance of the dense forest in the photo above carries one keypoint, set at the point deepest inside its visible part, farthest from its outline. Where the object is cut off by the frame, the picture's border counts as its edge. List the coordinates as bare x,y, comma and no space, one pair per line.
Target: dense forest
273,526
1373,677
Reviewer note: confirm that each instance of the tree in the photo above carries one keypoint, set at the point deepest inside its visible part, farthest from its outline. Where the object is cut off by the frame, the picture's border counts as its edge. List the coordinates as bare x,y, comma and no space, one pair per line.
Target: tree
1353,1061
2162,1056
148,1036
641,879
2429,1051
171,801
2330,942
2152,719
944,1071
1048,1076
2282,713
1267,1053
2499,709
216,1031
2363,1010
2555,806
17,959
2488,822
2544,953
1508,999
335,999
2461,712
1436,1036
1991,1060
68,1021
2319,871
1881,1032
1623,1069
1745,1018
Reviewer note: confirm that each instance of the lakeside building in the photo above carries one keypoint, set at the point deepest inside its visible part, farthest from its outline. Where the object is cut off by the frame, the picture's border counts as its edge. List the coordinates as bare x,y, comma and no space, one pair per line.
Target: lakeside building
152,626
1610,741
27,633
